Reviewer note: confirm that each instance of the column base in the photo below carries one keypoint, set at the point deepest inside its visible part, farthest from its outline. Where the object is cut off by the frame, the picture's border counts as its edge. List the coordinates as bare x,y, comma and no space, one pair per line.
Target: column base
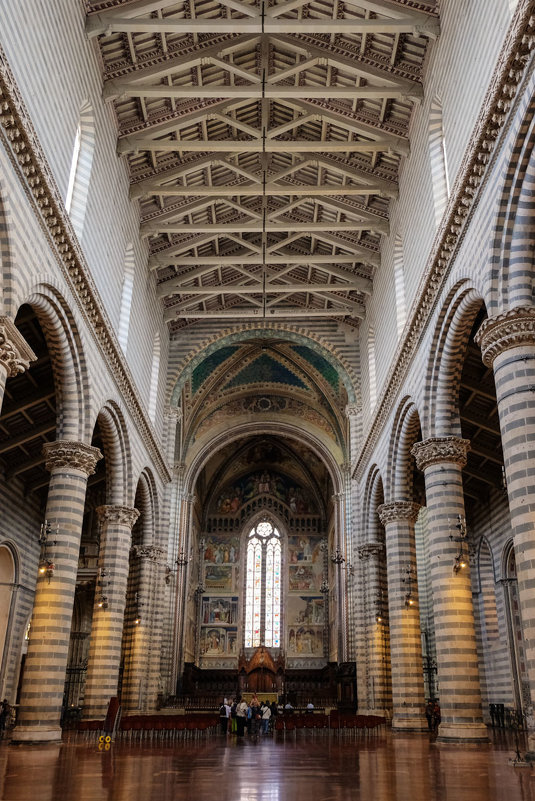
462,733
36,735
409,723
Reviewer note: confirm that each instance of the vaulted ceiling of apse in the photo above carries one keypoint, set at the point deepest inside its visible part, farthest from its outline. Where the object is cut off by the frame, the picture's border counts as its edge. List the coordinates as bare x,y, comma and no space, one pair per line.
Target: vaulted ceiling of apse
264,143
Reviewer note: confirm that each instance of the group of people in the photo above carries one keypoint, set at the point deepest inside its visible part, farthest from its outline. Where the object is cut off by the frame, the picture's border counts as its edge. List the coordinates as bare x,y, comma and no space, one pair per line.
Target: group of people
236,716
432,713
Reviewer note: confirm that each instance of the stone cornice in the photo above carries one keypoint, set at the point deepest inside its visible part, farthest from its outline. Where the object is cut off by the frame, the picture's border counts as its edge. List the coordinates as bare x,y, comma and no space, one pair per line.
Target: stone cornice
512,67
117,515
437,450
29,161
398,511
15,353
71,455
512,329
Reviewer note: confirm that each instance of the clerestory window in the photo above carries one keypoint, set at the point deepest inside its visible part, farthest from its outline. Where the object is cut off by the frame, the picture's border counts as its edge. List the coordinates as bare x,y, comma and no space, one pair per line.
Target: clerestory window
263,587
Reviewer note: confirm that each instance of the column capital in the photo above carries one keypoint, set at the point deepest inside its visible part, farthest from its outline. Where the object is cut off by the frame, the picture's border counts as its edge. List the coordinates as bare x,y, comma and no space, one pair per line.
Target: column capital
353,409
436,450
120,515
172,412
338,496
504,331
74,455
398,510
370,549
152,552
15,353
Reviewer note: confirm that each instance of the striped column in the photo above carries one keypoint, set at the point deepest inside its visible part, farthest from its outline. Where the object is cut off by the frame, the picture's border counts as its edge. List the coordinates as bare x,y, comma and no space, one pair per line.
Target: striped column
408,696
15,353
339,500
374,697
442,459
508,345
108,615
70,464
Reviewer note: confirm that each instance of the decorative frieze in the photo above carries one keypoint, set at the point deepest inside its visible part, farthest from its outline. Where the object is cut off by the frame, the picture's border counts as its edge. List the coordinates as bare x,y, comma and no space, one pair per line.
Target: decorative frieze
437,450
398,511
72,455
117,515
512,329
15,353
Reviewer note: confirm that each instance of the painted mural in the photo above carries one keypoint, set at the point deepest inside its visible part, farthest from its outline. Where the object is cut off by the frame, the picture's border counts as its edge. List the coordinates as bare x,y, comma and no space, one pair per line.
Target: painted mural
305,569
264,482
303,609
218,577
220,550
305,641
219,611
217,641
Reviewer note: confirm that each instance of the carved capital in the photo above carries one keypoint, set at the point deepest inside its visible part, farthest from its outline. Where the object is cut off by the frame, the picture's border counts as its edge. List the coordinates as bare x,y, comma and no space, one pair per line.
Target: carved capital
15,353
152,552
338,497
436,450
118,515
172,412
353,410
509,330
74,455
370,549
398,510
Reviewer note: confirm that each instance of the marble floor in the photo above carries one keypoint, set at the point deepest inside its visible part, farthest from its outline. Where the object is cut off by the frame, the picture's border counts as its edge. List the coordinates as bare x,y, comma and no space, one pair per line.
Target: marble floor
306,767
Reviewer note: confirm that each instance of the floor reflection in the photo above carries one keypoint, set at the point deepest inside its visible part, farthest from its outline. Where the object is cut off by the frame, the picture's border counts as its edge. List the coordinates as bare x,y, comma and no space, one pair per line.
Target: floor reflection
308,767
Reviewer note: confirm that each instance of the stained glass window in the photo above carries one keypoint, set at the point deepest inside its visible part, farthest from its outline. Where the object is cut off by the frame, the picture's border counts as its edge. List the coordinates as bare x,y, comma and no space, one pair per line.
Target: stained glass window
263,587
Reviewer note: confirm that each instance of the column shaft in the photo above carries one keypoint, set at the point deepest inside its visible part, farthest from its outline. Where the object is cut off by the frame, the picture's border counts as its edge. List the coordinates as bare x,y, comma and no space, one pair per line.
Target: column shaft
70,464
408,697
458,669
108,612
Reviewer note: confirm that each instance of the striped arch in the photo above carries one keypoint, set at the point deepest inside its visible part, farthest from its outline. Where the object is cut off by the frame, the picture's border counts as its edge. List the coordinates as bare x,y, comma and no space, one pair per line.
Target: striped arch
512,263
346,373
373,498
448,350
84,149
399,484
118,455
146,501
68,360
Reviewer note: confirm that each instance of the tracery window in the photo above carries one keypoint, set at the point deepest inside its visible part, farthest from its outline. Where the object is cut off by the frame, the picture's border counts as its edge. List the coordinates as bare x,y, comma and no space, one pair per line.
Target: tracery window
263,587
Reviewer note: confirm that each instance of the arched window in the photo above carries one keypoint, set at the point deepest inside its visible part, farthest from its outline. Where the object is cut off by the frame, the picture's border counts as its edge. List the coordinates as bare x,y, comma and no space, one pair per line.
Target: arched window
399,286
126,297
439,161
154,376
263,587
82,161
372,374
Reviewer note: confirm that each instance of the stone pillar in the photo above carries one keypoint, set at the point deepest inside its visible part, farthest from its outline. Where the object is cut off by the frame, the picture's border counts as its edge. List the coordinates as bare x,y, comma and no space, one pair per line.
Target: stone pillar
183,560
339,500
442,459
408,697
372,678
15,353
508,346
108,611
70,464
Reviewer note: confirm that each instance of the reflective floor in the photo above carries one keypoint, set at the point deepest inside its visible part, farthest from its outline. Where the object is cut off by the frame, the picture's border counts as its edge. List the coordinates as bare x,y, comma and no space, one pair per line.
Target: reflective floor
309,767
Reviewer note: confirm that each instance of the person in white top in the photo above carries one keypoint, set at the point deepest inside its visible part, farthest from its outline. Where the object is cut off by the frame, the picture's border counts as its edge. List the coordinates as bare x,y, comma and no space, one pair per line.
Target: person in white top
266,714
241,716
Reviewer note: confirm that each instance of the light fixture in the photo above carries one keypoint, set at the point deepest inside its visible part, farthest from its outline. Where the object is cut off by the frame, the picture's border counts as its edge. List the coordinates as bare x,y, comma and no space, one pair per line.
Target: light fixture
46,562
408,580
102,598
46,568
337,557
138,605
182,559
461,558
102,602
324,587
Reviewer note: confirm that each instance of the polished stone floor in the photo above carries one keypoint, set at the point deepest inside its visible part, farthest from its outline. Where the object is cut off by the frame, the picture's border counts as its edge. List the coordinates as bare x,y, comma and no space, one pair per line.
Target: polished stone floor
306,767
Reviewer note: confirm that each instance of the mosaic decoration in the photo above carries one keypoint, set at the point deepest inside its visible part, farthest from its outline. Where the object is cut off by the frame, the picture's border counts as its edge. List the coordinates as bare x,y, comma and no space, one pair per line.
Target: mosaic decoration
280,486
266,370
208,365
321,364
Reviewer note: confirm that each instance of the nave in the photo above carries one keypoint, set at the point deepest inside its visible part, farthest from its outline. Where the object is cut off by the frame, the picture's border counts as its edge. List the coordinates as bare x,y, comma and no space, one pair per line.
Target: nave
321,767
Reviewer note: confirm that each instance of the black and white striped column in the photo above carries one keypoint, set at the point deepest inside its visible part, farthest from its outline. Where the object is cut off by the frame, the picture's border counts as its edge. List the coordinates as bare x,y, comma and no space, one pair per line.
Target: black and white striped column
108,612
408,696
70,464
508,345
442,459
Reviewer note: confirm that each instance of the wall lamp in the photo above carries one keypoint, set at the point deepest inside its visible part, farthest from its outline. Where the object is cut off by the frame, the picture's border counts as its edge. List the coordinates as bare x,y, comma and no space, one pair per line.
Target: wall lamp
46,563
408,580
461,558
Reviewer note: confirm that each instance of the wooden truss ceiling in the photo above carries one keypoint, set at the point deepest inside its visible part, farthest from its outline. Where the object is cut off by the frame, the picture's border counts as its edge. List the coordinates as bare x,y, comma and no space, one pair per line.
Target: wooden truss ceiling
264,142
